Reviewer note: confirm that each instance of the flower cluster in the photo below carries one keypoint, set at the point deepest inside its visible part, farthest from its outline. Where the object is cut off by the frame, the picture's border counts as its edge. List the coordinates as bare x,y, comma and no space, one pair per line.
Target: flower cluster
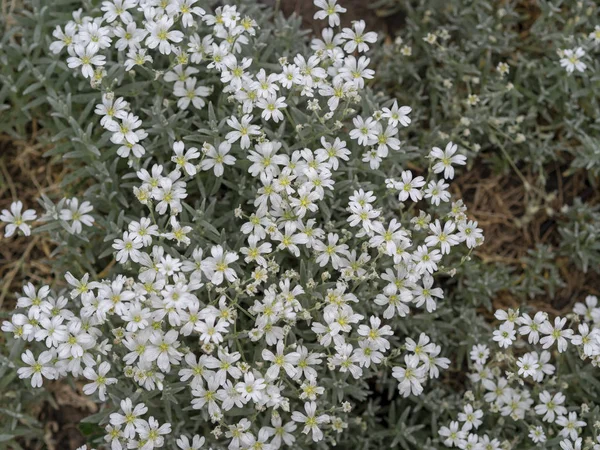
523,386
69,212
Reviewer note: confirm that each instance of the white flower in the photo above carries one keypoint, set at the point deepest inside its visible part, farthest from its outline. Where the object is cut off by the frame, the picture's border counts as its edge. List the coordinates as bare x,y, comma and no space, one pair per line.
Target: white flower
437,192
279,361
242,130
188,92
357,38
426,260
551,406
159,34
137,57
215,159
311,421
209,331
39,368
126,131
446,158
375,334
111,109
332,151
531,327
216,267
555,334
85,58
355,71
99,380
130,37
151,433
480,353
271,106
187,11
570,425
397,114
425,294
443,237
251,388
330,251
589,310
589,339
281,432
265,159
77,214
163,350
365,131
15,219
504,336
571,60
183,159
452,435
130,417
144,230
330,10
537,435
128,248
409,187
412,377
64,39
595,35
184,443
470,417
118,8
575,445
470,234
528,365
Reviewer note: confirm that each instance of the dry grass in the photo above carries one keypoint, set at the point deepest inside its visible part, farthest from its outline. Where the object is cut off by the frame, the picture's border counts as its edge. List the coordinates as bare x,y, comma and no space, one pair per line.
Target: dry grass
516,217
25,175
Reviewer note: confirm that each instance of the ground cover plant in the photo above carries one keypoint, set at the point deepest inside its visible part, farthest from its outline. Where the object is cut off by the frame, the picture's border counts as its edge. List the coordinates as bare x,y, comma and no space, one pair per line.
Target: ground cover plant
259,239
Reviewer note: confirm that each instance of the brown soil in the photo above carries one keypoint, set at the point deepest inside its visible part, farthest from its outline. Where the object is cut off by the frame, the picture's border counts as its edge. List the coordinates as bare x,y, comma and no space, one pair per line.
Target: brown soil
516,218
25,175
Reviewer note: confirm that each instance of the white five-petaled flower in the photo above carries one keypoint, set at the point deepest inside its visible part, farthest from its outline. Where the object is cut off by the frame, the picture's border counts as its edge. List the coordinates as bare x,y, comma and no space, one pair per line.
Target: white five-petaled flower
410,377
329,10
216,267
311,420
99,380
77,214
357,39
161,36
37,369
15,219
571,60
396,114
130,417
183,157
242,130
85,58
555,334
128,248
446,158
216,158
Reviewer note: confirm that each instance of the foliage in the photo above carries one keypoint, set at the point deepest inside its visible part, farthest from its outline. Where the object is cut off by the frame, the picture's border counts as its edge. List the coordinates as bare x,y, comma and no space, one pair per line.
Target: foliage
373,241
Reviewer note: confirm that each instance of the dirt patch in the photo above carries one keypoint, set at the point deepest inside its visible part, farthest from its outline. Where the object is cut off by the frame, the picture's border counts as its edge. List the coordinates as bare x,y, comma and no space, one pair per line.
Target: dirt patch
517,216
25,175
60,416
356,10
